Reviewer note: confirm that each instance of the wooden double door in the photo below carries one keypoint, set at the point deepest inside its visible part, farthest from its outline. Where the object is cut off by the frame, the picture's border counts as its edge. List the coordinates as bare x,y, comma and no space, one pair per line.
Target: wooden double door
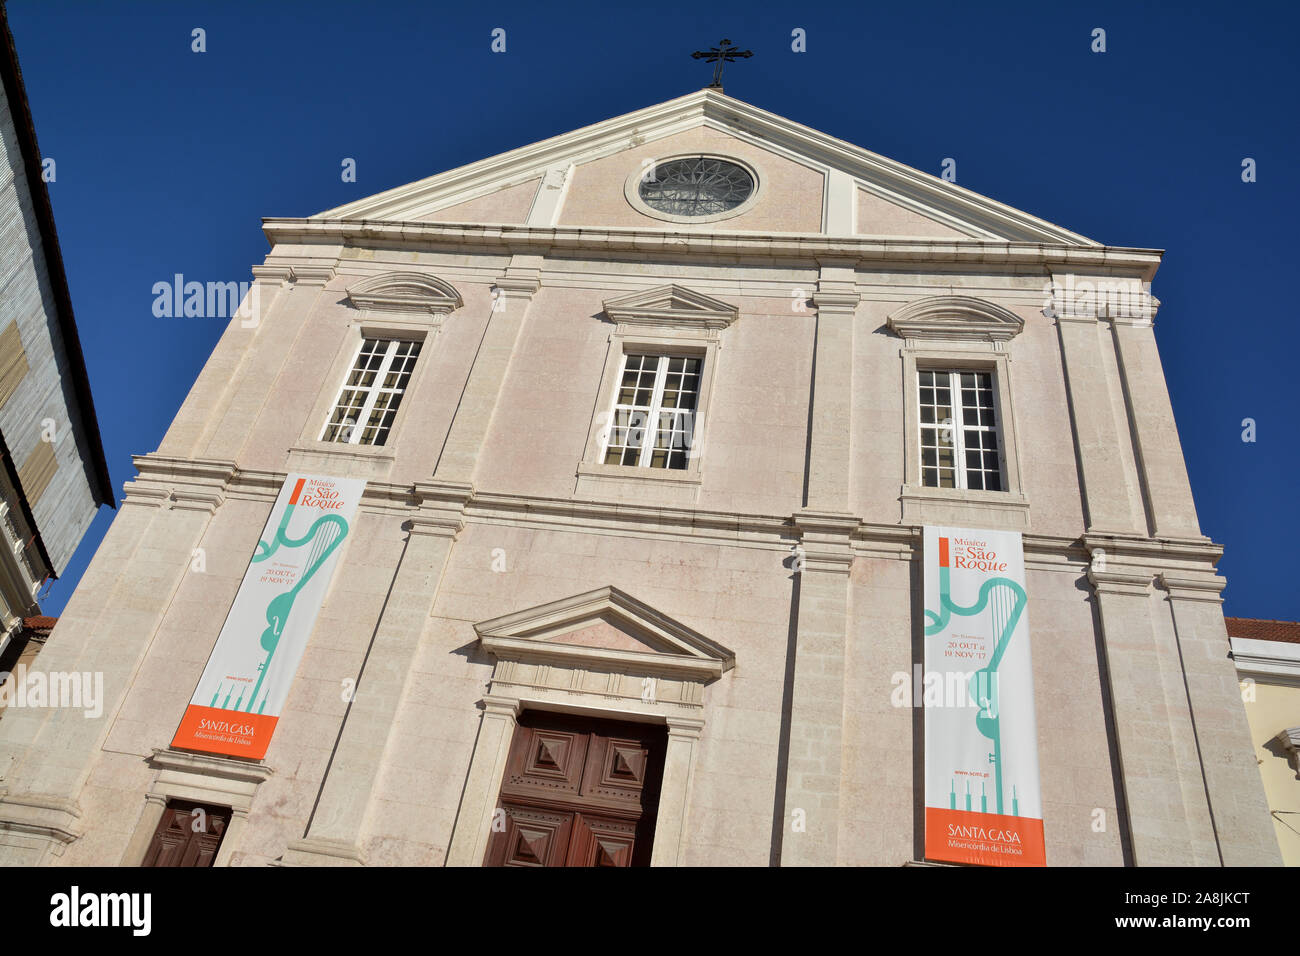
578,792
189,834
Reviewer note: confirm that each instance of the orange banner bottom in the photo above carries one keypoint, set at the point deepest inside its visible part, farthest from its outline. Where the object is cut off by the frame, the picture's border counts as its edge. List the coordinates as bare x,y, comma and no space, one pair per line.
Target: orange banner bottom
230,732
989,839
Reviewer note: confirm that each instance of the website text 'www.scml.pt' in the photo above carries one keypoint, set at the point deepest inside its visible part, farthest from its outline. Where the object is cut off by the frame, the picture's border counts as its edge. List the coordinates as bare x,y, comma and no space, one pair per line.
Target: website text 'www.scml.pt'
1203,923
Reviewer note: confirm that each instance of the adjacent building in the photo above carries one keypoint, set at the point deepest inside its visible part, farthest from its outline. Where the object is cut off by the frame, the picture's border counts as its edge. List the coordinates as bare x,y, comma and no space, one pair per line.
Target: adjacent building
585,506
54,477
1267,655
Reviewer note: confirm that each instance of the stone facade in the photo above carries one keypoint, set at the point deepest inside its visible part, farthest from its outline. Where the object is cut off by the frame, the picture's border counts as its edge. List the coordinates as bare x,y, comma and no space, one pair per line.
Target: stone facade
768,593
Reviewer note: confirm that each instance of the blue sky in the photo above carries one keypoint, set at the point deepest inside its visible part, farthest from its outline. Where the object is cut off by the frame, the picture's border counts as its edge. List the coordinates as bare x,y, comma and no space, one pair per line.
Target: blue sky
168,159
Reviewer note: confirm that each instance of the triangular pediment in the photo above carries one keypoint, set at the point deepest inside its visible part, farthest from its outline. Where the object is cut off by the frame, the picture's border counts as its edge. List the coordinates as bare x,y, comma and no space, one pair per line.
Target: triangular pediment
604,627
671,305
543,184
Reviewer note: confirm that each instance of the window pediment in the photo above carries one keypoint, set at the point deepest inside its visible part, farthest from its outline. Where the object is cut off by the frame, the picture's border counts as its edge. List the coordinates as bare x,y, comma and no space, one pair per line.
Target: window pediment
411,292
671,306
955,318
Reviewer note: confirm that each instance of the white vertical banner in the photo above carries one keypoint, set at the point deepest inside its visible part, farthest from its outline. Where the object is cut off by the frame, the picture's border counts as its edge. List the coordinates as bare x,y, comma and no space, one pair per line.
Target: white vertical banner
982,798
246,681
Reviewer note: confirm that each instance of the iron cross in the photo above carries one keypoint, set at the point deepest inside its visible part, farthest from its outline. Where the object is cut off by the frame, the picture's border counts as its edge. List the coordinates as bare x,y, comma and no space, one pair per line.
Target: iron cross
721,54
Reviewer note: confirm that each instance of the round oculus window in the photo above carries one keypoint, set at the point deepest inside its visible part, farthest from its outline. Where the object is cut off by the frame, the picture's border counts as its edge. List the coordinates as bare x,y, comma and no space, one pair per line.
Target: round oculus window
697,186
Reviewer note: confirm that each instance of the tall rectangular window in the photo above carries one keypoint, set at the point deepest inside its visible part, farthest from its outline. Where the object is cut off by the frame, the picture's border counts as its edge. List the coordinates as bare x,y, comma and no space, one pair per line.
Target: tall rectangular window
959,430
368,401
653,419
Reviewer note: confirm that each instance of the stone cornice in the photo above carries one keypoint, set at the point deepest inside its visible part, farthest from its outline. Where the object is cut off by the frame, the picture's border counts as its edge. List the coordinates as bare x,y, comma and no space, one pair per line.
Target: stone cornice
163,467
1120,582
1128,564
828,301
826,524
825,542
567,511
516,286
1203,587
441,507
438,507
209,765
1134,548
272,273
616,242
47,815
1269,659
314,273
186,484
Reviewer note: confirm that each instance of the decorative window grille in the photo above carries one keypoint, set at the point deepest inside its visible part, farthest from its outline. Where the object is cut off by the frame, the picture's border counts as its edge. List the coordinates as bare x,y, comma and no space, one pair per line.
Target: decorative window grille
696,187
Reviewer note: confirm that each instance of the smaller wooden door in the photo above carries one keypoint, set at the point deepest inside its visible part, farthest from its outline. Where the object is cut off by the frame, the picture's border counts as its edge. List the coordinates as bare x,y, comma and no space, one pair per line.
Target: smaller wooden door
579,792
189,834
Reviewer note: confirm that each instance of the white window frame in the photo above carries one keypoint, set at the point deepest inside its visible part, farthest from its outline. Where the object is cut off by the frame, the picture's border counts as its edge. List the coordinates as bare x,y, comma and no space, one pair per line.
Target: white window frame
675,485
654,411
372,391
948,332
667,320
958,426
962,507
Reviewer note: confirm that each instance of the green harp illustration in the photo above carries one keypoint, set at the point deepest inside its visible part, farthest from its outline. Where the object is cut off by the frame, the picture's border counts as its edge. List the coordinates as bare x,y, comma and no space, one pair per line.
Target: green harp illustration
322,538
1006,602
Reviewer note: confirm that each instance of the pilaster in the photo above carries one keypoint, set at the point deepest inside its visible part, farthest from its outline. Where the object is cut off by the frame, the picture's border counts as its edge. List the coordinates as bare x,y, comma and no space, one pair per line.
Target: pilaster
815,764
1232,781
487,769
263,346
511,297
675,790
1108,492
836,301
1168,814
1165,484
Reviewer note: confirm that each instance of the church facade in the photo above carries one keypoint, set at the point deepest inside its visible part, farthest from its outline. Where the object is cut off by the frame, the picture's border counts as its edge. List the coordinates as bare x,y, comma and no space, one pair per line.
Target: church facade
635,437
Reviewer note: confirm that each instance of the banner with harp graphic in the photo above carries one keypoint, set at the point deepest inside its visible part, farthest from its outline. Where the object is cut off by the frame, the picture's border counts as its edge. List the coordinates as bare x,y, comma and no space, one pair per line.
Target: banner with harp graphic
244,686
982,798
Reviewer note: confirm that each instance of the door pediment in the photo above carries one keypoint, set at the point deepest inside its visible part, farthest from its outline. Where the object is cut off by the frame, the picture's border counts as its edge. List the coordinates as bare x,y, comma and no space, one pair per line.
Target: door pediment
606,629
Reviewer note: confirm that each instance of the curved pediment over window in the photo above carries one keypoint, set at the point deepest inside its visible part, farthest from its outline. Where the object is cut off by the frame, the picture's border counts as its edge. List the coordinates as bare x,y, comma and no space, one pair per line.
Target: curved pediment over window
955,317
671,306
414,292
